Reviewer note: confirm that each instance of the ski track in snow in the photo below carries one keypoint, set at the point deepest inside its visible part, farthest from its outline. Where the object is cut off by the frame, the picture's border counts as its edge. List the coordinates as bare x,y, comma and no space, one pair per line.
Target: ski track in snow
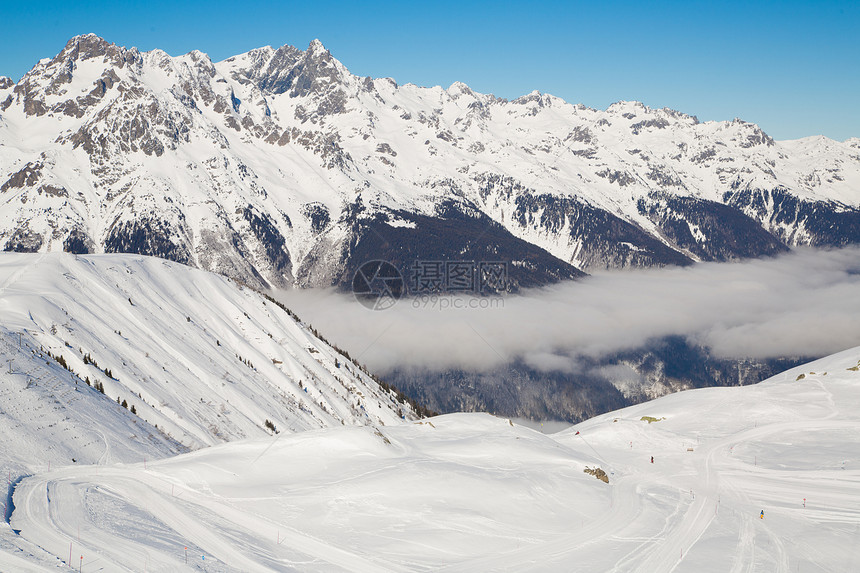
134,316
463,492
474,493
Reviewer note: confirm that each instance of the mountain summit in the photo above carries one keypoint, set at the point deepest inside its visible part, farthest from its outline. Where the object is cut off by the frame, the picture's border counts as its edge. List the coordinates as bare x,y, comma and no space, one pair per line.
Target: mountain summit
281,168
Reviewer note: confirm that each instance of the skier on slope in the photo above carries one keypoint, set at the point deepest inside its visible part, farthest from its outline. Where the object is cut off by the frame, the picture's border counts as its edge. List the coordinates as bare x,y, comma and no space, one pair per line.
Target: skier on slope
761,516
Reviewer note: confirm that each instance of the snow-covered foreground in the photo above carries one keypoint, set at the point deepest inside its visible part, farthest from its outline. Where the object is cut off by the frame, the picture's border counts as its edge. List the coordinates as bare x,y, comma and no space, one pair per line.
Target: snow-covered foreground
470,492
185,359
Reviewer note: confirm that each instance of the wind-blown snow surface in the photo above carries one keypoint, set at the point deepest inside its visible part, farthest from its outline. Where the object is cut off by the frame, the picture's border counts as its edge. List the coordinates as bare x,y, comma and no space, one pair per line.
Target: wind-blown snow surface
196,359
200,356
469,492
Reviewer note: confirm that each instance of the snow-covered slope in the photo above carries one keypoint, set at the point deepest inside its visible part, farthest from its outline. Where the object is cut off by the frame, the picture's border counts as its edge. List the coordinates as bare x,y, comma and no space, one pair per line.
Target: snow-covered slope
204,359
280,167
50,419
757,478
123,359
49,416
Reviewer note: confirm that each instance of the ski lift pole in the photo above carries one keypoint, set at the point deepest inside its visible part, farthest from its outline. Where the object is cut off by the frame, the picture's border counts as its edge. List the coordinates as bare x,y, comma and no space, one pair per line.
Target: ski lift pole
592,449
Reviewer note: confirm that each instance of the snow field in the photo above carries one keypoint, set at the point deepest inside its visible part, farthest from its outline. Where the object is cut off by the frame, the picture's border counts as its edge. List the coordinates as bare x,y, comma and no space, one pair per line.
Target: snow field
470,492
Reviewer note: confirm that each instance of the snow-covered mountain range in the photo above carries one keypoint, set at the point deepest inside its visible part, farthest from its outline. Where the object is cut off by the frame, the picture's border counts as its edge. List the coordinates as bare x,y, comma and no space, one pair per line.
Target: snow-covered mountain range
279,167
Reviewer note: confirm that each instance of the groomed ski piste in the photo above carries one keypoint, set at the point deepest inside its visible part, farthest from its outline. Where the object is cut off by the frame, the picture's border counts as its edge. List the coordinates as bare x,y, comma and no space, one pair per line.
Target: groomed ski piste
470,492
757,478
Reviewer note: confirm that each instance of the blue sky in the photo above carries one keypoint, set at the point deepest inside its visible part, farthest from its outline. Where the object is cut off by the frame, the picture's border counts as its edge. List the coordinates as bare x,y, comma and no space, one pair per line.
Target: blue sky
791,67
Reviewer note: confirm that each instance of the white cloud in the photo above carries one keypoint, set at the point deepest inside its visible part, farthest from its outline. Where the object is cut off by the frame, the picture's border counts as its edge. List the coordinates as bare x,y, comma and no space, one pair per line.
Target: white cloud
804,303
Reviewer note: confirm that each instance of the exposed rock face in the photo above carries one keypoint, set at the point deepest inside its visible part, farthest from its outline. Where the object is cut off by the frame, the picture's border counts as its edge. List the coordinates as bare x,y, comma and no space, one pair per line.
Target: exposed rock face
598,473
78,243
279,167
23,240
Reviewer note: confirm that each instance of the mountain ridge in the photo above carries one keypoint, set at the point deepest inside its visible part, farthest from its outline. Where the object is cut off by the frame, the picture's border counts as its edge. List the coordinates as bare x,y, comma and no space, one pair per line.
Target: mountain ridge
197,355
272,165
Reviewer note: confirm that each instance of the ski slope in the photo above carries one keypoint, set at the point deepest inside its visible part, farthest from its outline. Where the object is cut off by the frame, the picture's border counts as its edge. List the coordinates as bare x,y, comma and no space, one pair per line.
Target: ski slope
186,359
470,492
201,357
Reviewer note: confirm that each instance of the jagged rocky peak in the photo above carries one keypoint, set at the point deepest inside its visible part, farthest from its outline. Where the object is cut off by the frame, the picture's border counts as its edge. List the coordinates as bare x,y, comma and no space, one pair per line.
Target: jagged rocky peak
6,82
534,96
200,61
459,89
50,79
277,75
316,47
679,115
248,67
622,106
289,70
754,135
158,59
84,47
316,72
90,46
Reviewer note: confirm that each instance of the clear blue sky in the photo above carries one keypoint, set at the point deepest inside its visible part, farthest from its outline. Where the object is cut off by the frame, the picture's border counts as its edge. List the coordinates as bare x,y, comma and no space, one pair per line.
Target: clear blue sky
791,67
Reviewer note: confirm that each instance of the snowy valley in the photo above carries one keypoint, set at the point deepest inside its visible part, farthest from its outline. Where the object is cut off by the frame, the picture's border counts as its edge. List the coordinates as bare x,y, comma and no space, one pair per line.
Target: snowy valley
163,408
762,477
